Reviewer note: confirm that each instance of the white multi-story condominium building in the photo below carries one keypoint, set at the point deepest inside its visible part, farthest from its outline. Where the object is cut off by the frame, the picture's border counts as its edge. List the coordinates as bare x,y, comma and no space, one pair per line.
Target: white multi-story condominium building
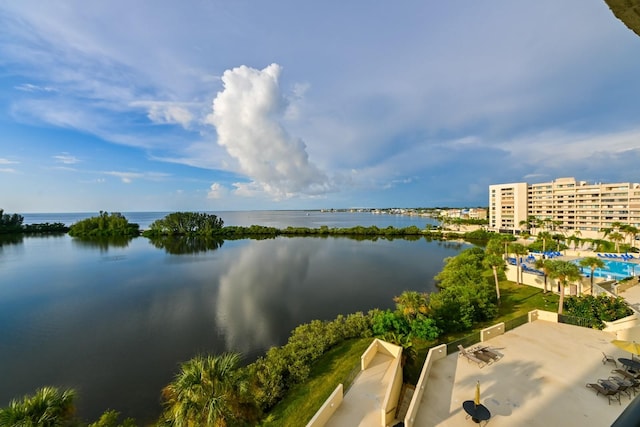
565,204
507,206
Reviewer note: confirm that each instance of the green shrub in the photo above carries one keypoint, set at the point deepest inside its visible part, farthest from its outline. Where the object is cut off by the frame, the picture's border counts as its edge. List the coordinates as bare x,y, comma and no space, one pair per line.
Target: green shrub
597,310
104,225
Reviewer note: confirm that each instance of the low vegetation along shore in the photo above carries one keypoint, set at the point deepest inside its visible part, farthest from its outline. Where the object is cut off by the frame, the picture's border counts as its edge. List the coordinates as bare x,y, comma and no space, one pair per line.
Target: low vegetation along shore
193,224
286,386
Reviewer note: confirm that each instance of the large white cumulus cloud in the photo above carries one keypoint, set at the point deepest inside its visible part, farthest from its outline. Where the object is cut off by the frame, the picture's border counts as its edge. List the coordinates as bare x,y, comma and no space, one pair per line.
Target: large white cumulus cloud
247,115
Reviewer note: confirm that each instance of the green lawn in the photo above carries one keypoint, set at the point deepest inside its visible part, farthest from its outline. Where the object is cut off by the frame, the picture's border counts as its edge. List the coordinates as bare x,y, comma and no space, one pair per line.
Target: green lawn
518,300
339,365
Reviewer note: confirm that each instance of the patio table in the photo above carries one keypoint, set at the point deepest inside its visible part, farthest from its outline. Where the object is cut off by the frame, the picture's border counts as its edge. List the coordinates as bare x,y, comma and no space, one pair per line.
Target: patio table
478,413
630,364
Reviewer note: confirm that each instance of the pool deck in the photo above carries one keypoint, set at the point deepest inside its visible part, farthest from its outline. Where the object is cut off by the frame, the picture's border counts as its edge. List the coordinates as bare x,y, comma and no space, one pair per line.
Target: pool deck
540,380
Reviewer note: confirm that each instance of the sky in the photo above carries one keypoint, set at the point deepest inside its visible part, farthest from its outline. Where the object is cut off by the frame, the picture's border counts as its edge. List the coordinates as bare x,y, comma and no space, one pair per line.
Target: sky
214,105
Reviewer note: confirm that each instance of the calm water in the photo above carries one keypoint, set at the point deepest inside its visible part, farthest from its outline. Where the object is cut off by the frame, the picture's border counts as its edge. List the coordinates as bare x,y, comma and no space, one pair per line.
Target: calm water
114,320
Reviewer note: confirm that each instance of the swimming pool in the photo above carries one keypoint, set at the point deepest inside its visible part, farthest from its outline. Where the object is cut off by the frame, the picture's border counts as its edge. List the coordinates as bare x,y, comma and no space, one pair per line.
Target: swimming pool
613,269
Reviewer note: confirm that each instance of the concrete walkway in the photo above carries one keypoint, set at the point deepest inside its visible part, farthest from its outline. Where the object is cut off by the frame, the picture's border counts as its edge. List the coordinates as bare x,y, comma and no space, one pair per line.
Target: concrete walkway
363,401
540,381
632,297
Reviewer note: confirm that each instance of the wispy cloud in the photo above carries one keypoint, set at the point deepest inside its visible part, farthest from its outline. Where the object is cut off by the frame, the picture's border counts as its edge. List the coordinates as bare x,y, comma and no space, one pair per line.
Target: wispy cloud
28,87
129,177
66,158
163,112
7,170
7,162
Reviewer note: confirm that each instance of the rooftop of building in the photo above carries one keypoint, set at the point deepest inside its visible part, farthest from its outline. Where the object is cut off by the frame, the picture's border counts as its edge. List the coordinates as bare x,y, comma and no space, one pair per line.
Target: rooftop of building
540,380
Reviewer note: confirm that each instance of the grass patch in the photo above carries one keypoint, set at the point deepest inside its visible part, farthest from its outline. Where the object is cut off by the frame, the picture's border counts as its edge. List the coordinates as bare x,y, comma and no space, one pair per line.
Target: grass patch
518,300
304,400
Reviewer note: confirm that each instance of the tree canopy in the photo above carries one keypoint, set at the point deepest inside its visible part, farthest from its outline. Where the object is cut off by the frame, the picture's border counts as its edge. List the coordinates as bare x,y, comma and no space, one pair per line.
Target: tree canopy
104,225
186,224
465,295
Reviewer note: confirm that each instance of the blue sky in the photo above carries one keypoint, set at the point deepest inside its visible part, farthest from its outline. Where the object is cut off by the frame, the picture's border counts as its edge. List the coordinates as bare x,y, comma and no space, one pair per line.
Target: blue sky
218,105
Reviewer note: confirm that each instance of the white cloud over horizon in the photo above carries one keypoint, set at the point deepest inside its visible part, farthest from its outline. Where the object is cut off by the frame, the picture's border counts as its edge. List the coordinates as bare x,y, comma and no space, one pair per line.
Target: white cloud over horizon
247,115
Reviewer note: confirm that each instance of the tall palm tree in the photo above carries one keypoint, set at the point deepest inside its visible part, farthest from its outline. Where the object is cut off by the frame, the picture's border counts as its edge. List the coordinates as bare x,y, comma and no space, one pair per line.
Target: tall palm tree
543,264
544,236
616,238
575,238
565,272
48,407
593,263
631,232
518,249
493,258
528,223
203,393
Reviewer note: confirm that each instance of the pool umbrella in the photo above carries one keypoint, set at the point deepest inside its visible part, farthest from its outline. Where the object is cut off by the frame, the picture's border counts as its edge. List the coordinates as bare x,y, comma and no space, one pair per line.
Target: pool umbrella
476,400
630,346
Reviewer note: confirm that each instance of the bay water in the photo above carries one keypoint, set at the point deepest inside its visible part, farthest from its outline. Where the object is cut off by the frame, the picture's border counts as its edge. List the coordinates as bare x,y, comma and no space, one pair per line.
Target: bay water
114,319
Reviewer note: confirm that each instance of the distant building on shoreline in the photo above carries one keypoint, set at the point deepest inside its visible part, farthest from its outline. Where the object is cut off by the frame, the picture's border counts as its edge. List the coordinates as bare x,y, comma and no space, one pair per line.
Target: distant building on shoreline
466,213
564,205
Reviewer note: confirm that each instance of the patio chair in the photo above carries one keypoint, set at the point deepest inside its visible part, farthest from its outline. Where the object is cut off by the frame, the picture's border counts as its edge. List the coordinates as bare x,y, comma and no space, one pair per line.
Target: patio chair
470,356
607,358
627,376
487,351
624,374
623,385
495,356
609,393
483,356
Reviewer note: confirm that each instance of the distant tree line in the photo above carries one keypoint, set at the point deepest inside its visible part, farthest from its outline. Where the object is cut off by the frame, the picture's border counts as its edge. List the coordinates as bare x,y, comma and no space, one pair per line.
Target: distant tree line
195,224
12,224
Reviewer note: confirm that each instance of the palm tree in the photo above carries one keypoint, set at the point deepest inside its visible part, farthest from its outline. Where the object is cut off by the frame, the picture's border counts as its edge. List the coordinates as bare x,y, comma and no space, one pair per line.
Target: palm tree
631,232
543,264
48,407
518,249
616,238
593,263
409,351
544,236
528,223
575,238
493,258
412,303
565,272
203,393
558,238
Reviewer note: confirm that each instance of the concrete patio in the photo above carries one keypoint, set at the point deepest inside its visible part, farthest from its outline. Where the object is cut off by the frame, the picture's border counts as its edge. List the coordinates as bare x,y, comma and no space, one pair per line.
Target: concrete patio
540,381
361,404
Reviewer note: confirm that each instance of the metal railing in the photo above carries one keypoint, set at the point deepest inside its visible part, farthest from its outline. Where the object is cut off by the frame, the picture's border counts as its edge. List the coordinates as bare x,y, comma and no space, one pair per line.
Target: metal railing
515,322
465,341
575,321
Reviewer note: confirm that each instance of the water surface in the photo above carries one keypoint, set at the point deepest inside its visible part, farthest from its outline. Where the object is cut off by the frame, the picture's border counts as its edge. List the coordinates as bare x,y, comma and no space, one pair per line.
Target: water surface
114,320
